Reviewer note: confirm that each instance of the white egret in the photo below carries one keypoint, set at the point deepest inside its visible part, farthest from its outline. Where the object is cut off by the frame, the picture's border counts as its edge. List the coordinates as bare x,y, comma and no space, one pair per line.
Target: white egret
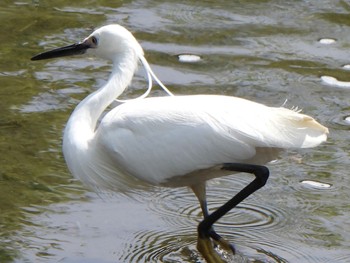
173,141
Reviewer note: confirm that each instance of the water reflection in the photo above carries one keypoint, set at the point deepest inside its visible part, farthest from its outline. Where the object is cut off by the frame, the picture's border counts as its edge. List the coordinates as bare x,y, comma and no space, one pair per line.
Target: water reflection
267,51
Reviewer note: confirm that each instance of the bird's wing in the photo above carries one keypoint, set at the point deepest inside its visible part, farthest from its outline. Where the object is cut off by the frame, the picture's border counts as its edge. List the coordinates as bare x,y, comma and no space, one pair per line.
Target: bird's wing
158,138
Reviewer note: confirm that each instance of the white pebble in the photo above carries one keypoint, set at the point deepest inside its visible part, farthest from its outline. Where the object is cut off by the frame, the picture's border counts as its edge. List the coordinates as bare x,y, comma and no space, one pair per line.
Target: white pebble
347,120
327,41
334,82
316,184
347,67
189,58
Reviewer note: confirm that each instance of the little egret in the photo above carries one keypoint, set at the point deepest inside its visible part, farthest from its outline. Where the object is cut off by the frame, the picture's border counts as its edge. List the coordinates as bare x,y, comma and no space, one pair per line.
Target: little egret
173,141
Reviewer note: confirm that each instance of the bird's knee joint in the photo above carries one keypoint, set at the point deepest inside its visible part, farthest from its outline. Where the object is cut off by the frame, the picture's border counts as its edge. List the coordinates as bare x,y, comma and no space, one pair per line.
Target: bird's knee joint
262,174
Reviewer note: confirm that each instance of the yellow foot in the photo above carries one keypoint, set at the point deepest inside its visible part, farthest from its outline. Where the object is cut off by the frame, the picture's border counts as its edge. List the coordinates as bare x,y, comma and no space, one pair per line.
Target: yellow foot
205,247
224,244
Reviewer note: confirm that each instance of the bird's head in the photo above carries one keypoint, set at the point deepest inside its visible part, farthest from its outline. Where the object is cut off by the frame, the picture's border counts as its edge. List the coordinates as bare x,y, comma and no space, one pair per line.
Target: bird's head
107,42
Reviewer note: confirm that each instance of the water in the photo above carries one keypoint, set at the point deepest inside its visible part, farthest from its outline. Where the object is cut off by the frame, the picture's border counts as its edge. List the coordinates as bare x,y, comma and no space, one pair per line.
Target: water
267,51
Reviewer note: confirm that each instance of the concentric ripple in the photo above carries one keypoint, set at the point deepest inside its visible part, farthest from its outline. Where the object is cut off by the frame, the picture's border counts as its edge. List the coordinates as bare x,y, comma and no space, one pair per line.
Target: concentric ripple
263,228
180,209
162,246
253,216
176,205
180,205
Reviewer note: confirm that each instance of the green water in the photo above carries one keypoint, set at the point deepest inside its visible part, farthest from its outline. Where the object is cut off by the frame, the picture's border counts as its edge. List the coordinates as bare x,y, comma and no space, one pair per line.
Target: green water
267,51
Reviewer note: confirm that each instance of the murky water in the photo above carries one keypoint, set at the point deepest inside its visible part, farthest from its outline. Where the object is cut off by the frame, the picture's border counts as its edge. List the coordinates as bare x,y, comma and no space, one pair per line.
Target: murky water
267,51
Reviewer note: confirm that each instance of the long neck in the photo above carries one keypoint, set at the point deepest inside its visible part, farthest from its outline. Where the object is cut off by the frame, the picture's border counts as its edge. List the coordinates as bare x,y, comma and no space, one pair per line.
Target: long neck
82,123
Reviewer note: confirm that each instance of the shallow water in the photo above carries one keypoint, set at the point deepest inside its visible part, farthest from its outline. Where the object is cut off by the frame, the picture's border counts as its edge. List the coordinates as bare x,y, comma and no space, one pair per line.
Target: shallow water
267,51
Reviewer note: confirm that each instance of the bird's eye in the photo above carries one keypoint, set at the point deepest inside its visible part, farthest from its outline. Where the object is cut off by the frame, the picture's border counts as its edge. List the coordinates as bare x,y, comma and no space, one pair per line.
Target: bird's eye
94,41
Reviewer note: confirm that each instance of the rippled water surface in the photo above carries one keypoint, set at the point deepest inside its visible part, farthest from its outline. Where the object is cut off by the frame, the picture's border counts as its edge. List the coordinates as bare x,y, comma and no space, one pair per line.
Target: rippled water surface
266,51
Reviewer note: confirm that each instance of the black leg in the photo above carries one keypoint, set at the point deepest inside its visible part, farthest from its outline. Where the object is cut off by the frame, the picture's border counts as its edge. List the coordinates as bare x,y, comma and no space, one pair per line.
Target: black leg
261,175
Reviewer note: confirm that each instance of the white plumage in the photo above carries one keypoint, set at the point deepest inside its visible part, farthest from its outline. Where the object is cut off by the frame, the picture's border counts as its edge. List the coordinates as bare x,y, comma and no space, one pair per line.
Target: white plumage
172,140
156,139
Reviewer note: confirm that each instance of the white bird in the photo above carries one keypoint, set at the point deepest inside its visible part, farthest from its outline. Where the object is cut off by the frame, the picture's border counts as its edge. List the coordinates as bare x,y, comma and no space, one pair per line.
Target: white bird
173,141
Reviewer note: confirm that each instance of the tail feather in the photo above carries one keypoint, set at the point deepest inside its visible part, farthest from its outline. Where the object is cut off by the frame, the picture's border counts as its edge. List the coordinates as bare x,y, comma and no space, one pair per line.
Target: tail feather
303,130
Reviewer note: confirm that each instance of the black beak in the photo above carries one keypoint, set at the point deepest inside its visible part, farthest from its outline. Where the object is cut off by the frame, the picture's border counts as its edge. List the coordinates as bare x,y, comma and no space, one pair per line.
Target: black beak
75,49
